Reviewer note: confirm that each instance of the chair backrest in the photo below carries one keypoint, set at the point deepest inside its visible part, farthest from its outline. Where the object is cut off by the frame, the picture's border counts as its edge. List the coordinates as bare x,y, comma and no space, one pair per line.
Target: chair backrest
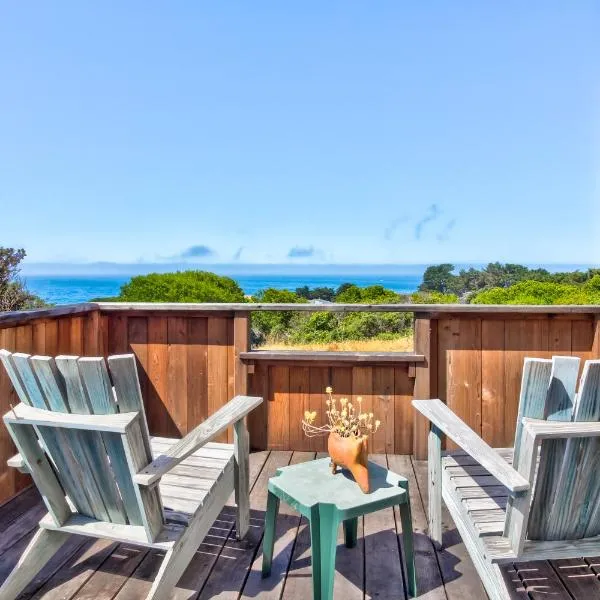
93,462
565,502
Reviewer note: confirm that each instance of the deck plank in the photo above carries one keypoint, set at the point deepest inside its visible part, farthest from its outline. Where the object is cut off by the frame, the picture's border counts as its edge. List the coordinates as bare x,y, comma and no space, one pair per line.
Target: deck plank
112,574
429,579
76,571
288,521
87,569
19,528
541,581
384,577
231,568
14,508
578,577
348,581
199,569
458,572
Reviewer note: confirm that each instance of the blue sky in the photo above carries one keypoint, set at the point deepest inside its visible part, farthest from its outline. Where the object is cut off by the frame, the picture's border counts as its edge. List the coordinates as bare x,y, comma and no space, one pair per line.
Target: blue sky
327,132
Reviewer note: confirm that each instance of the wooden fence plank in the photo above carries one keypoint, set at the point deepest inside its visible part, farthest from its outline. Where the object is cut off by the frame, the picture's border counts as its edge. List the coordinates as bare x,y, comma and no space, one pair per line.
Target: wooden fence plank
39,337
298,404
217,367
118,334
319,379
521,338
258,418
404,412
426,333
278,408
197,371
492,382
460,359
384,409
177,373
137,340
159,419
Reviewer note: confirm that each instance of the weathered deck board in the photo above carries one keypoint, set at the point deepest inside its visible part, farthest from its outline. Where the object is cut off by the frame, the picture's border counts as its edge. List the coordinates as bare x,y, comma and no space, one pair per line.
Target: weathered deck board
224,568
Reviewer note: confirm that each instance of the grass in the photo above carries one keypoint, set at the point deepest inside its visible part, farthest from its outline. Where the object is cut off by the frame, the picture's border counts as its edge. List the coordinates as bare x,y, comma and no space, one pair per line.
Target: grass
402,344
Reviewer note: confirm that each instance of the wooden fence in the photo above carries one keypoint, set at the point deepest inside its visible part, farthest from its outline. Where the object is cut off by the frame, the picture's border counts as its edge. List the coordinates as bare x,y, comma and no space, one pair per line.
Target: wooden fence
193,358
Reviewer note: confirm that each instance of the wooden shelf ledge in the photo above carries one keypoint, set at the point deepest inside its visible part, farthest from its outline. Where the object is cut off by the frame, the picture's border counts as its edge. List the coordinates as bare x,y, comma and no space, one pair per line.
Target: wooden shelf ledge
331,357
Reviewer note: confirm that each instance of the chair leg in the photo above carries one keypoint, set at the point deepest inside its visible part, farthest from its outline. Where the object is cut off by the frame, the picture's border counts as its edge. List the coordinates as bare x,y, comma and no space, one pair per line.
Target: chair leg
39,551
241,443
172,567
323,539
408,547
434,465
351,532
269,537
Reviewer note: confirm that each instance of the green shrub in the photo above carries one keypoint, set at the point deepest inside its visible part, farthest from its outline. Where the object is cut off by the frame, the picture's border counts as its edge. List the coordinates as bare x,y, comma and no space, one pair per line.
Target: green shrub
540,292
327,327
275,325
182,286
433,298
372,294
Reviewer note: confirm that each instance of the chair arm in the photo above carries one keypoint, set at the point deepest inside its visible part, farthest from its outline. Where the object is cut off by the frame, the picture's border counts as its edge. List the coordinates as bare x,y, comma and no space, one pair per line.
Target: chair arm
233,411
460,433
542,430
17,462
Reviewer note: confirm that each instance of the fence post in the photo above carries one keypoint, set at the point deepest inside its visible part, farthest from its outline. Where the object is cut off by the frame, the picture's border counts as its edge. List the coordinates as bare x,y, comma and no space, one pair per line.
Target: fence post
241,343
425,377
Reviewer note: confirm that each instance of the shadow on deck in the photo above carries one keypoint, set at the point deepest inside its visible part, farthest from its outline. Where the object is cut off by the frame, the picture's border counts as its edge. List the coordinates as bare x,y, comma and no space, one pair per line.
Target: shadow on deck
224,568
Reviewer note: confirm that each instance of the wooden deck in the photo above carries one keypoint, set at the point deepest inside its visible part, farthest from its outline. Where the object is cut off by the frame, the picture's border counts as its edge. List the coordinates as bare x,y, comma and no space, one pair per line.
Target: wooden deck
226,569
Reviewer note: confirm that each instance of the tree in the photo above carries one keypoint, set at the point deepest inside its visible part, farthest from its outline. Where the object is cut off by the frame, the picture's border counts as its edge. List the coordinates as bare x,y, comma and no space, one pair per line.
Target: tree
438,278
13,293
318,293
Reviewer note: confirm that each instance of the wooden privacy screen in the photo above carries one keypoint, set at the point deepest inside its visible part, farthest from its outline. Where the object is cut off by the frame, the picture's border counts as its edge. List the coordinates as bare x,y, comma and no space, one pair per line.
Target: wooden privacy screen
480,363
290,390
186,365
189,362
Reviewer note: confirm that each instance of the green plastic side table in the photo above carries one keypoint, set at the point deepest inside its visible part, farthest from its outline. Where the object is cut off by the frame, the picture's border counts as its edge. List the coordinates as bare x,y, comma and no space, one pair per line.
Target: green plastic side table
327,500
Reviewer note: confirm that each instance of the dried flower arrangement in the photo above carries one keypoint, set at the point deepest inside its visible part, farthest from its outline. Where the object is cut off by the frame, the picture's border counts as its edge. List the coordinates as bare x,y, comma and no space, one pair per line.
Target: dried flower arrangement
346,421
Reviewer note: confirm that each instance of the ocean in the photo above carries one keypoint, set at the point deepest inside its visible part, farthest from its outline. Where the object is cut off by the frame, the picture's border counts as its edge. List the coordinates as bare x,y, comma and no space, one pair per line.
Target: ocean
70,289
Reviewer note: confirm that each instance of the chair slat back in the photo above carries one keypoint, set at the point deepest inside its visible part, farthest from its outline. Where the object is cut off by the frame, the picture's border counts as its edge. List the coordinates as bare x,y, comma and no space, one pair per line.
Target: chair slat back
575,511
565,502
94,468
559,406
537,374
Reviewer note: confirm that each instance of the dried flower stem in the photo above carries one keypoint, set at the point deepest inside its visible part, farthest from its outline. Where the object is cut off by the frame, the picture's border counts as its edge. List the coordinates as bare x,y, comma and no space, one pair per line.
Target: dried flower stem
345,421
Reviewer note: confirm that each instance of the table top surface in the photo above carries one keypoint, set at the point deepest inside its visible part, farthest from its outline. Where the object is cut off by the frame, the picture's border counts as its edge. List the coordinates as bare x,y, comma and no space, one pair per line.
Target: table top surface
312,482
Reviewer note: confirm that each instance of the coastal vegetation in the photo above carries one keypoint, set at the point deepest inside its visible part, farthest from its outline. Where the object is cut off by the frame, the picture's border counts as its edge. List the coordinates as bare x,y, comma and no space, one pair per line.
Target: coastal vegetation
528,286
13,293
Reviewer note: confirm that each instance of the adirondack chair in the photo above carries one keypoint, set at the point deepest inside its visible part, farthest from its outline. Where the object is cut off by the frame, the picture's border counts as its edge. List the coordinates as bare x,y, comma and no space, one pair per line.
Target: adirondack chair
539,500
81,432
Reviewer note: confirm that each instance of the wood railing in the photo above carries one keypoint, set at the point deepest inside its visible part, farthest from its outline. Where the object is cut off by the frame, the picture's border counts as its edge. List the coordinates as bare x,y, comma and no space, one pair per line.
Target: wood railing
193,357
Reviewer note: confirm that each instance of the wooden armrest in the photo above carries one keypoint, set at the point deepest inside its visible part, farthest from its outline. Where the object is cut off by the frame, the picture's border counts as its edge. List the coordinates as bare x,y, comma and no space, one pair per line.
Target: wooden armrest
22,414
233,411
561,429
17,462
460,433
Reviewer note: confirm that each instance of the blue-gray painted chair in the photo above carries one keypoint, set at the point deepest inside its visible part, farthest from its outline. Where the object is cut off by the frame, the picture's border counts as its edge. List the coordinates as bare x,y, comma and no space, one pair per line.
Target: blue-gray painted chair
540,500
81,433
